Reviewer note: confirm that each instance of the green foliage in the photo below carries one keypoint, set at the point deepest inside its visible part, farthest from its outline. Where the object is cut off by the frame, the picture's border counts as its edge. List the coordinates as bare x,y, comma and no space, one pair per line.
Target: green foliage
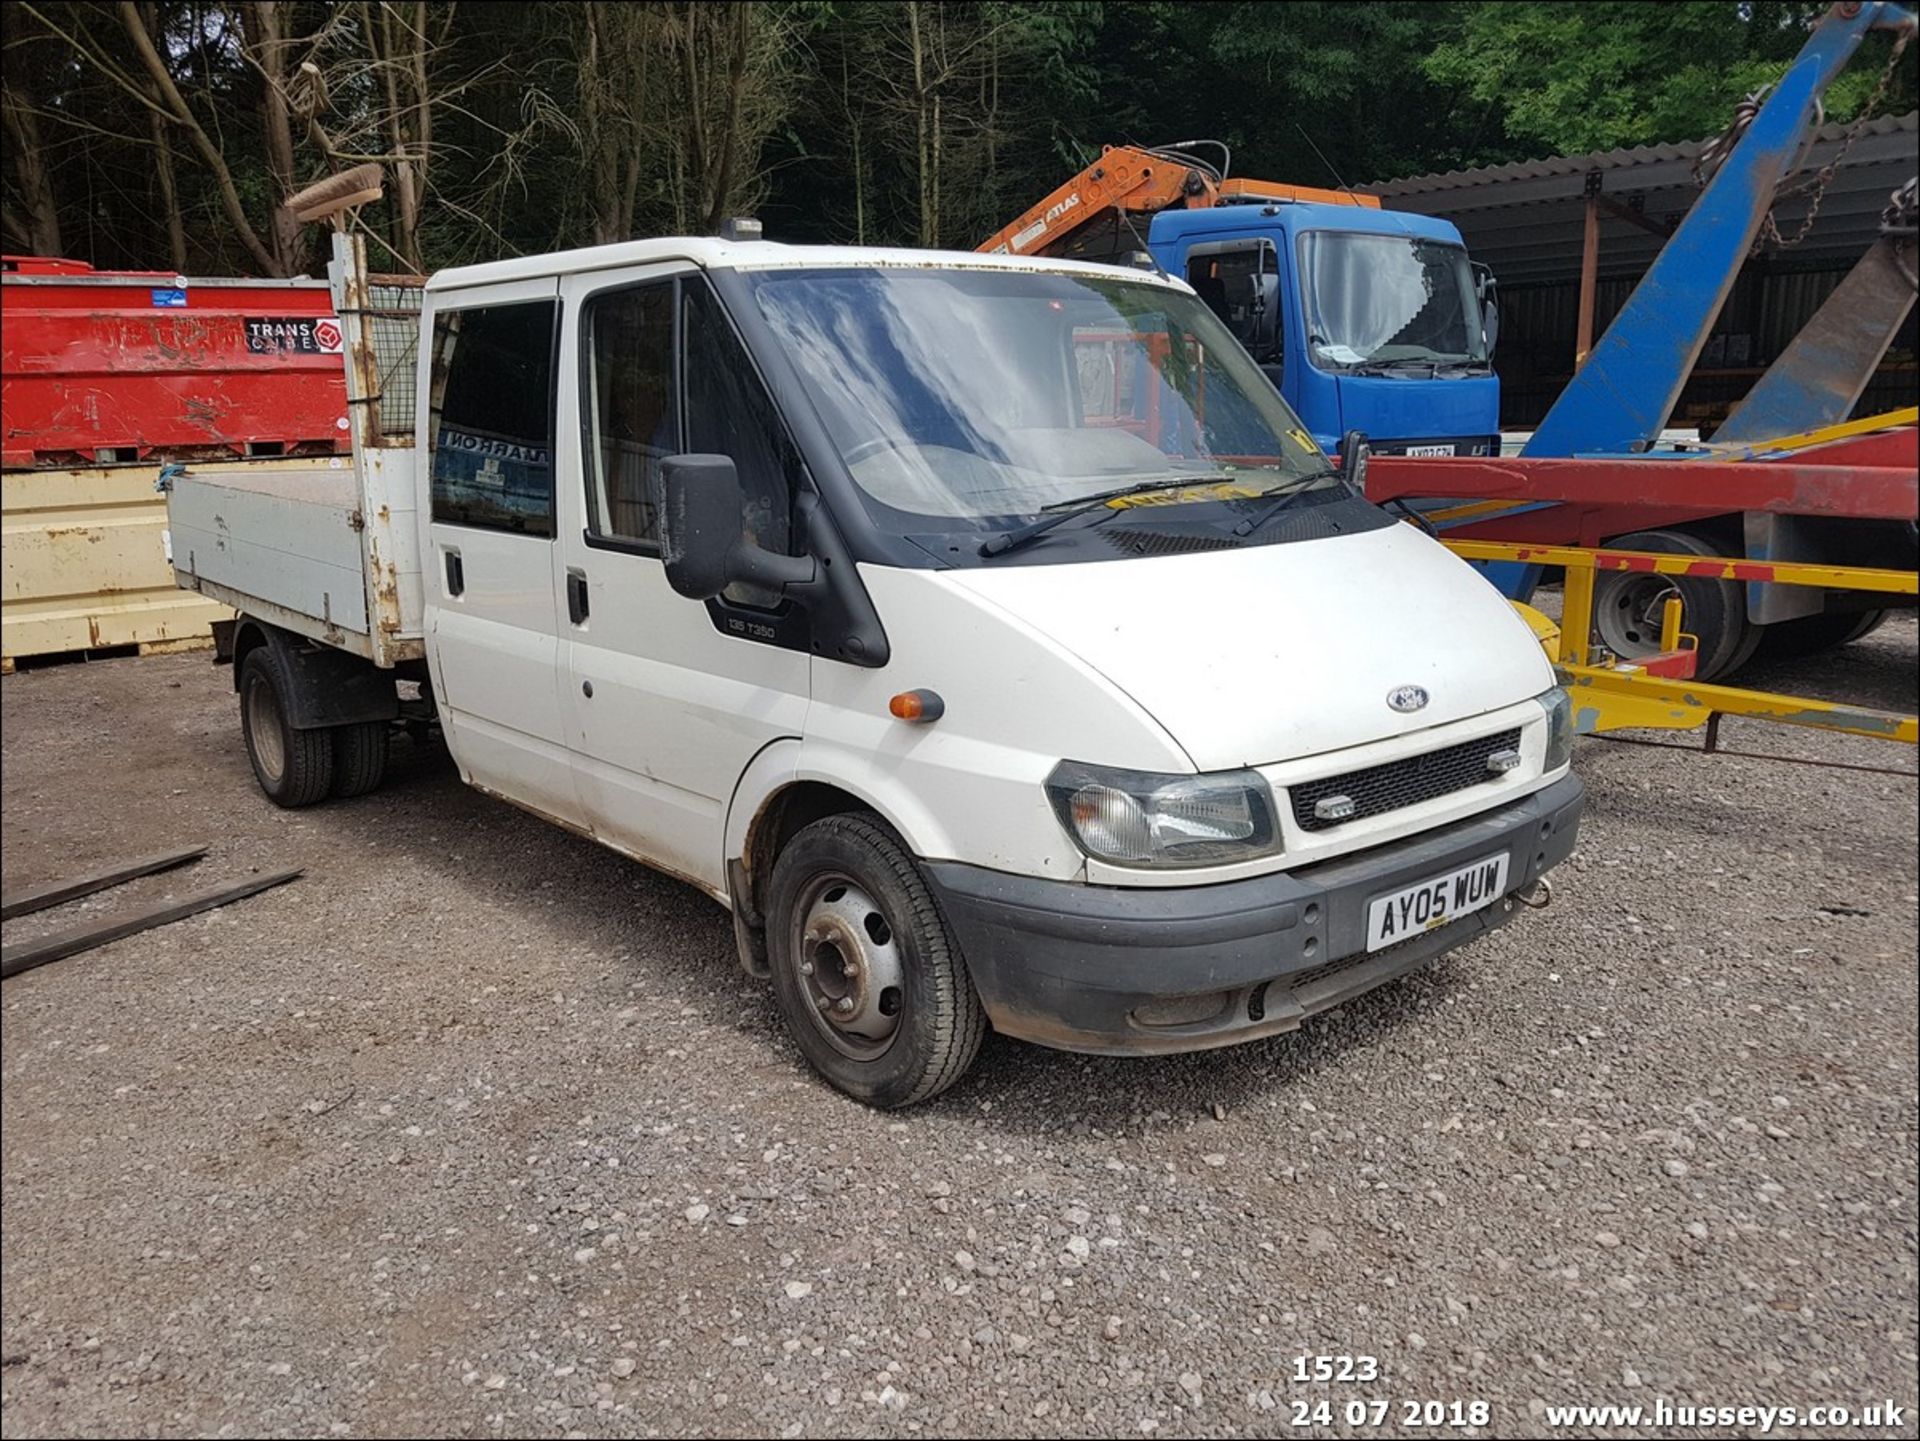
539,141
1571,78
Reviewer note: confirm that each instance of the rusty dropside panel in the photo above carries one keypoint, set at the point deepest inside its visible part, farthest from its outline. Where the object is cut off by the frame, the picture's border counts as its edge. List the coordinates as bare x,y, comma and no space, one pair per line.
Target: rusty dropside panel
380,320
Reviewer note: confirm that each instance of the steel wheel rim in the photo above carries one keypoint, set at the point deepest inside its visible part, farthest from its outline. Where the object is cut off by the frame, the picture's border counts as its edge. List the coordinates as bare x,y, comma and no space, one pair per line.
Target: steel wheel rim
1630,614
263,728
850,972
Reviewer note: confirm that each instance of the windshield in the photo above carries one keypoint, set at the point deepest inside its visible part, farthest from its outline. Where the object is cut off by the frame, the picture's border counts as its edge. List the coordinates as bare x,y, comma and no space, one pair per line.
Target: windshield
1388,301
970,399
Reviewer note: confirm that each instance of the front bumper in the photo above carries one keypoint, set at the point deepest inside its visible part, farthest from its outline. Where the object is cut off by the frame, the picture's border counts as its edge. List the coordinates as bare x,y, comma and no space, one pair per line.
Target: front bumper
1129,971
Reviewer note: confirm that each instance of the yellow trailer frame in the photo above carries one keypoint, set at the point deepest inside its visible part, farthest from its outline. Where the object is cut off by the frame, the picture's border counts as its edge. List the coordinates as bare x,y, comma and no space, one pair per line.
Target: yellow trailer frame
1613,694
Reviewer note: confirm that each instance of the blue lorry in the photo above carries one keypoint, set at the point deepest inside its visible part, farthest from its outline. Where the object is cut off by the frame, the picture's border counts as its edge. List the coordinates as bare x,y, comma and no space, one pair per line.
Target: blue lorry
1365,319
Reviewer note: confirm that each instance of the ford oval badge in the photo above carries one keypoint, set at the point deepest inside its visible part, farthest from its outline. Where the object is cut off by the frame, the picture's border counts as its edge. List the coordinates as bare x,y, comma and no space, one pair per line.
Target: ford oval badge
1407,698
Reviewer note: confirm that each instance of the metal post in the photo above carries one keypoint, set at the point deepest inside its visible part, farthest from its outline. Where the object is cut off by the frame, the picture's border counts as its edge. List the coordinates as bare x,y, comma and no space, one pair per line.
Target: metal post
1589,273
1576,613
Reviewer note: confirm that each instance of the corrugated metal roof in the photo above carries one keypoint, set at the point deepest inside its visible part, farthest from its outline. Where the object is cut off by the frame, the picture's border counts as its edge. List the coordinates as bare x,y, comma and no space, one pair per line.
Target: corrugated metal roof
1525,219
1682,153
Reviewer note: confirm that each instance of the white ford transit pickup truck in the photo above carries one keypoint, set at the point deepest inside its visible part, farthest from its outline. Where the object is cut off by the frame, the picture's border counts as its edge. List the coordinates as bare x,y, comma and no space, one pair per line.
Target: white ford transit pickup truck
984,633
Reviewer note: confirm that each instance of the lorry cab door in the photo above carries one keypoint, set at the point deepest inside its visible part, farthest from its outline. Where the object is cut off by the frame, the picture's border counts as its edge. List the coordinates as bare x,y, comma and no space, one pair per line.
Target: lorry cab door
495,655
669,698
1240,280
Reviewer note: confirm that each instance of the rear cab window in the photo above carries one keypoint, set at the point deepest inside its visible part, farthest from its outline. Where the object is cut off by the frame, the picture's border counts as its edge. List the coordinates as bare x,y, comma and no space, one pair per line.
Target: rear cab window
492,428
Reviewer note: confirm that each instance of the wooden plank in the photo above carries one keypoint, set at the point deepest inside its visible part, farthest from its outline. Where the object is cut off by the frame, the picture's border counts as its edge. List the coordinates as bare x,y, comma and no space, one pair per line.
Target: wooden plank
38,898
28,954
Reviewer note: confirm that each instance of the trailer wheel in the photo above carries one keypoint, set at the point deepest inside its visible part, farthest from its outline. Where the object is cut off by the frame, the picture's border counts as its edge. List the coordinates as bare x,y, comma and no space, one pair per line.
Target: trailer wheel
360,757
1628,605
1811,634
867,975
294,767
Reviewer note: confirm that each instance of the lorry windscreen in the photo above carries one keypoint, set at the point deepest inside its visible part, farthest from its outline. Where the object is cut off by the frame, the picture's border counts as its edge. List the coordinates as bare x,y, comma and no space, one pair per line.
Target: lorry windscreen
971,399
1387,302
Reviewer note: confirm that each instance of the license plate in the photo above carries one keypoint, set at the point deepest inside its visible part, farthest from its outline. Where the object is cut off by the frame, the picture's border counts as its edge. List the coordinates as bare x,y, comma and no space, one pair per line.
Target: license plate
1431,450
1435,901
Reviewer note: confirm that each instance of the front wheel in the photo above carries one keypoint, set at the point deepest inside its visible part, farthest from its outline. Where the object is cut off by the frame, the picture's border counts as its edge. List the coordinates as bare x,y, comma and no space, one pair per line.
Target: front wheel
867,975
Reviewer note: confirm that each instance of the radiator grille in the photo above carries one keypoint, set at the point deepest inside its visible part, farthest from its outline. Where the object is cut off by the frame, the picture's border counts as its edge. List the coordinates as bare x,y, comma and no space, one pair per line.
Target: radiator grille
1397,784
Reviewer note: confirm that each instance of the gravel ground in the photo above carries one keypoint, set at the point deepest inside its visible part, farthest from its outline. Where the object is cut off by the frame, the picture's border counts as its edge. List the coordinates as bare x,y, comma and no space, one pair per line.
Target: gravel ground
477,1129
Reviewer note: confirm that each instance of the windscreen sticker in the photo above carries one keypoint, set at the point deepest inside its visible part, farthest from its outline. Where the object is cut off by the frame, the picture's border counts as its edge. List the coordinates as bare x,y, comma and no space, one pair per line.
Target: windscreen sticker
1220,490
301,334
1342,354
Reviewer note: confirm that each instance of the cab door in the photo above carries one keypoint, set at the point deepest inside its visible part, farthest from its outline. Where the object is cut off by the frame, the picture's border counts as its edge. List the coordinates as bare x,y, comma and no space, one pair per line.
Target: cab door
491,566
668,698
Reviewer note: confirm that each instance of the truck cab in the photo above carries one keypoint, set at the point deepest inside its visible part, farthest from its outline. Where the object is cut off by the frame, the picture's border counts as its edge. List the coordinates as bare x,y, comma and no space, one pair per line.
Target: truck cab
984,633
1364,319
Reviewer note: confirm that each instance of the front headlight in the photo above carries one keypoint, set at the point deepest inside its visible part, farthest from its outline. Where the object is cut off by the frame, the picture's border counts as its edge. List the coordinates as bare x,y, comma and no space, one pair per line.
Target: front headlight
1142,819
1559,708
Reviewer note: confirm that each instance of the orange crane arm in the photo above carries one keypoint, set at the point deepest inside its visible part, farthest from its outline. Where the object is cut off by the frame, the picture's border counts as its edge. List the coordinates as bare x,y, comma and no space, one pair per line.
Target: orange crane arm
1128,179
1123,178
1273,190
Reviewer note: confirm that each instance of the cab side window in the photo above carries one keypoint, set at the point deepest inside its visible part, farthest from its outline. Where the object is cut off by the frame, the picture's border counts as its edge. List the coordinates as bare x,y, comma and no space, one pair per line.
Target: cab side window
728,412
632,421
1240,282
492,431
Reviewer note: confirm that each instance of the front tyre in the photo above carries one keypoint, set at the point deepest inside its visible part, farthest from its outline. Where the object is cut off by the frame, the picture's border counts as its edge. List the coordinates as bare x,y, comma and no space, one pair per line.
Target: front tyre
867,975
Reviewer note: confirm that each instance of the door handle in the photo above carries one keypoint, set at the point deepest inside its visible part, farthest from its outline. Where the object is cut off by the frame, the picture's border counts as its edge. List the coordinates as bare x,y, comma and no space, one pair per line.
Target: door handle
456,574
577,597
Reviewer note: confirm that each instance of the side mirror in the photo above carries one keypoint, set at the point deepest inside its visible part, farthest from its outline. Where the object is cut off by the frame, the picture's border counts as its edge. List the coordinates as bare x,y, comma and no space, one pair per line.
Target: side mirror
702,539
1353,461
1487,291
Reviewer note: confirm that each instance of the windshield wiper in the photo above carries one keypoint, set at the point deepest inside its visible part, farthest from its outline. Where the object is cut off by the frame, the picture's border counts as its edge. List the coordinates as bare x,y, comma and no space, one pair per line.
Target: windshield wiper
1283,500
1066,510
1404,362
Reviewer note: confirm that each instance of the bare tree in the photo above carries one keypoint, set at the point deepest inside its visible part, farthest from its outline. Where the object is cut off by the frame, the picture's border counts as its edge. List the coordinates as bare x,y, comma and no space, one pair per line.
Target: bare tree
270,49
734,86
159,136
617,45
156,80
401,48
932,70
39,230
383,76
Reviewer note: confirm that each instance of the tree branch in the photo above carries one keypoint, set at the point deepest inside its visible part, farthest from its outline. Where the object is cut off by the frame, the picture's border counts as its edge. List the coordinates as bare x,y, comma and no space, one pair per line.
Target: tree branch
223,177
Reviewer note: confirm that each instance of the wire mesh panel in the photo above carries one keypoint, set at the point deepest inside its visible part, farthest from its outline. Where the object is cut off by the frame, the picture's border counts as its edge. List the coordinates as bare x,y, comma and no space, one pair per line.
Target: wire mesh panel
393,326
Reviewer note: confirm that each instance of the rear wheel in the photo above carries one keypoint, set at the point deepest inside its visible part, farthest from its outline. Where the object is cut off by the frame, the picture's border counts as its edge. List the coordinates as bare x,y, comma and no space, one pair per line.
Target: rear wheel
360,757
1628,607
867,975
294,767
1811,634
